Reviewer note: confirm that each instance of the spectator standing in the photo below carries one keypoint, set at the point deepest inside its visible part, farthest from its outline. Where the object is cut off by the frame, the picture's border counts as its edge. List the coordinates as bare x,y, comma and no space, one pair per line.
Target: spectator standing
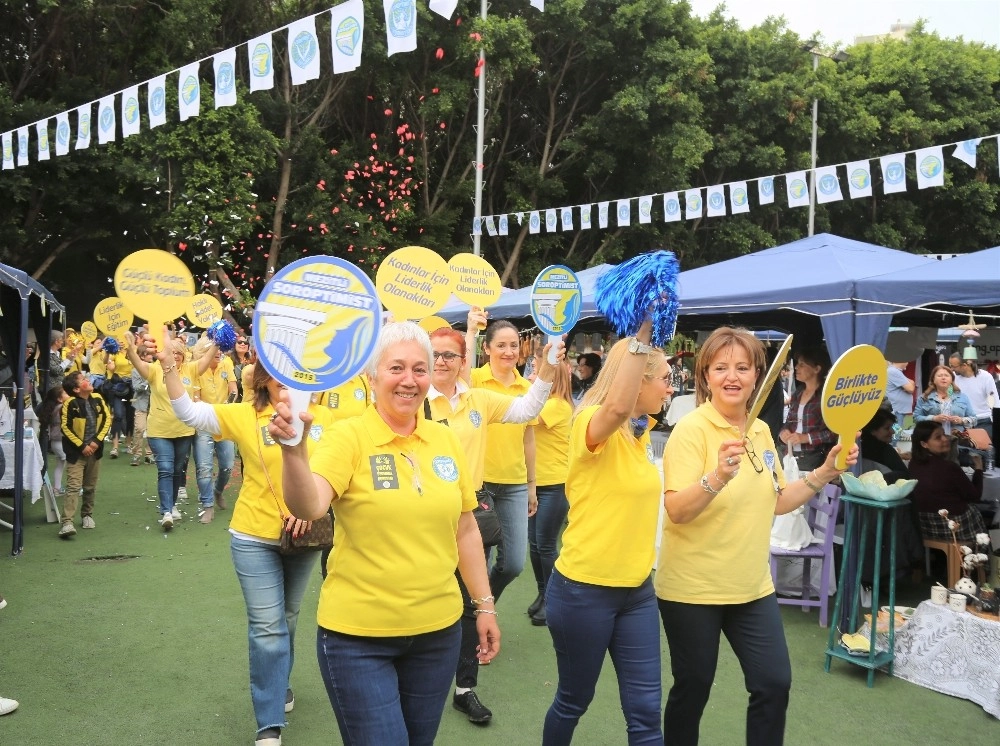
86,421
140,408
979,387
899,391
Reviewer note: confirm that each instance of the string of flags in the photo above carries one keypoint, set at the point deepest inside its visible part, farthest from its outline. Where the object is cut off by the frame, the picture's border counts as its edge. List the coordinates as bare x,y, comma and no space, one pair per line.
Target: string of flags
347,23
711,202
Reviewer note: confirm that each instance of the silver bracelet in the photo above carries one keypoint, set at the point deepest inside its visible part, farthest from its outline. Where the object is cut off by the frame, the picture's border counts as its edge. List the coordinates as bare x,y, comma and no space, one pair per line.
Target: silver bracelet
485,611
708,488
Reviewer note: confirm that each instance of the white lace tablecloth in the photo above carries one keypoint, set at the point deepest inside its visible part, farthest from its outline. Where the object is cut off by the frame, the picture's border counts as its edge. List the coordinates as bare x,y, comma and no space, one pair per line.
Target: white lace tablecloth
32,475
952,653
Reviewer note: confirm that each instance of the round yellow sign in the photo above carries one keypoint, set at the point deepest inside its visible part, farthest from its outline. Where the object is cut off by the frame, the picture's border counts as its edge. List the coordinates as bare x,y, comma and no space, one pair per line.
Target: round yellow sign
88,330
854,389
413,282
204,310
111,317
473,280
433,323
156,286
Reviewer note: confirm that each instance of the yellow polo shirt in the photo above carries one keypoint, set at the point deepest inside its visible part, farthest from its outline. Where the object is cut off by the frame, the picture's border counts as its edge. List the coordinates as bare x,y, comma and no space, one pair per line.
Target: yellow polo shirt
214,384
162,422
123,366
96,366
552,442
348,399
477,408
614,500
722,556
505,454
392,569
261,503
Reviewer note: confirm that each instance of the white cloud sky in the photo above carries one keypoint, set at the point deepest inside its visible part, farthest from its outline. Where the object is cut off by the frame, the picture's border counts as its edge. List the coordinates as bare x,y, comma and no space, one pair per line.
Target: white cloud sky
842,20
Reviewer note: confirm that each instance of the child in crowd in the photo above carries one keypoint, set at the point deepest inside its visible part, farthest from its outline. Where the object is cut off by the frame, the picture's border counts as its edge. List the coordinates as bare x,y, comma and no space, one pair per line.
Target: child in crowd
86,421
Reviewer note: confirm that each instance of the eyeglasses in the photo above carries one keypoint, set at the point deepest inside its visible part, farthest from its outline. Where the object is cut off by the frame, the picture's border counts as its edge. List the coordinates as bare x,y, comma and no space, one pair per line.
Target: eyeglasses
447,356
754,461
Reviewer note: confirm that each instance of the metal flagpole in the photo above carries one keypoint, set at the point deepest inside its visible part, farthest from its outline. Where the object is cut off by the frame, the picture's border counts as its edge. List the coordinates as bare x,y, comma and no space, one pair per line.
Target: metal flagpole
480,141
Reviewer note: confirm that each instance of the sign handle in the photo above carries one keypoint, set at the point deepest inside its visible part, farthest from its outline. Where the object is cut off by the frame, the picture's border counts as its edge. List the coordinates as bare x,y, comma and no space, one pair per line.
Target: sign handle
554,340
298,401
158,333
845,446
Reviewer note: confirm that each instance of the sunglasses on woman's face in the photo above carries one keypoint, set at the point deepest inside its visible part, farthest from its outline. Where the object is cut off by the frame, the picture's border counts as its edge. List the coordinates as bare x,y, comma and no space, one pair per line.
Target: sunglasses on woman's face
241,341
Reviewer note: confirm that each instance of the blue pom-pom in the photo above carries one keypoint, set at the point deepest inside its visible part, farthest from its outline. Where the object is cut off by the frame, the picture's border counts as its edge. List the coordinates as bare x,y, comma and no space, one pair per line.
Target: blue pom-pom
223,334
640,288
111,346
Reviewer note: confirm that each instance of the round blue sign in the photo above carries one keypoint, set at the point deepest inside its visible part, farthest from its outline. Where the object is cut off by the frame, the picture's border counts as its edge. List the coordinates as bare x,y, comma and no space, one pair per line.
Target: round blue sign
556,298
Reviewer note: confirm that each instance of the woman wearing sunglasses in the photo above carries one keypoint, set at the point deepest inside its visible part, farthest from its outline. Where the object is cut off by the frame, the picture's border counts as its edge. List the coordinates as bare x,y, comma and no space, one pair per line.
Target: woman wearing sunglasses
723,486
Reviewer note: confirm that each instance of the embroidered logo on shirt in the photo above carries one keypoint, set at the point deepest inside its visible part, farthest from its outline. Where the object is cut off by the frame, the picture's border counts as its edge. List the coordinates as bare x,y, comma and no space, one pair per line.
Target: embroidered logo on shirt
186,381
315,432
384,474
649,453
445,467
769,459
359,394
475,418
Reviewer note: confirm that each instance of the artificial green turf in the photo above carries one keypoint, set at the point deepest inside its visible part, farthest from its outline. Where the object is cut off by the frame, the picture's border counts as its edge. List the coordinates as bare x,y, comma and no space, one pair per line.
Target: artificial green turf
153,651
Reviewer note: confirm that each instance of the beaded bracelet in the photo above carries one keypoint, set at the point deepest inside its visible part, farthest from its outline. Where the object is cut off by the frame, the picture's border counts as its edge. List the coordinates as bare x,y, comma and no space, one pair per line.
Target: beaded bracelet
485,611
169,368
808,482
481,601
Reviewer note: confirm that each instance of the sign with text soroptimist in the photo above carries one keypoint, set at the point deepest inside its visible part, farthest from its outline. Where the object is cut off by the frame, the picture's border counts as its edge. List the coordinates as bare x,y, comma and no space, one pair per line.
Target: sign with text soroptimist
413,283
111,317
854,389
315,326
156,286
555,303
203,310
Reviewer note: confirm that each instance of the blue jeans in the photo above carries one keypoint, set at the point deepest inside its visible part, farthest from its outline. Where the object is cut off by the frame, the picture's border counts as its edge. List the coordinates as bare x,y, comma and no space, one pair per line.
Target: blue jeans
756,636
511,502
273,585
586,622
205,447
543,531
388,691
171,456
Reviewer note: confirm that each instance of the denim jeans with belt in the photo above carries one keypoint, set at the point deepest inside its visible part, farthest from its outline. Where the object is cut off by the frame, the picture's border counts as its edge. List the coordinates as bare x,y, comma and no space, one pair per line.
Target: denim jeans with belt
273,586
543,531
388,691
511,502
205,447
171,456
587,621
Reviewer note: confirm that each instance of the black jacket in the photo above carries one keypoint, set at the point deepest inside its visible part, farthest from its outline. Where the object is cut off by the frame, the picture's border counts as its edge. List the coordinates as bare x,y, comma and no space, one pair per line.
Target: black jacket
74,423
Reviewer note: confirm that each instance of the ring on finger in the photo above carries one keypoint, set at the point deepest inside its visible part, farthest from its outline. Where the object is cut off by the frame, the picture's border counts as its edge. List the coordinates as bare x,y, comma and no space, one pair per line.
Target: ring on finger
729,460
274,417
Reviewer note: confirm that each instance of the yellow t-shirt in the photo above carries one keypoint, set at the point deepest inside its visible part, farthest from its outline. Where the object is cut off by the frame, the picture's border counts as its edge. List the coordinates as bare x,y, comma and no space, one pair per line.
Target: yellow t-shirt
614,498
477,408
722,556
348,399
213,385
256,512
392,569
162,422
96,364
552,442
505,454
123,366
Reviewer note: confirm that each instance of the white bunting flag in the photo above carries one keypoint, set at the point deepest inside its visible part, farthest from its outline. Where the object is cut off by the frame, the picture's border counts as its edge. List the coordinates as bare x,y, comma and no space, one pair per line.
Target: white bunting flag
400,25
540,4
502,225
534,222
224,64
477,226
930,167
107,120
303,50
551,221
765,190
8,151
797,188
491,227
585,217
444,8
671,207
828,185
42,132
966,151
131,123
739,201
602,214
260,57
156,101
188,92
566,216
859,179
83,127
62,133
893,173
624,212
347,31
646,208
520,217
693,205
22,147
715,201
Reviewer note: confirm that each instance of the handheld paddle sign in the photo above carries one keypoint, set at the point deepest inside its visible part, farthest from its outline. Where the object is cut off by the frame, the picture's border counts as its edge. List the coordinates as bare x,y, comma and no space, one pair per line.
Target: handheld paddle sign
156,286
852,394
88,330
203,310
433,323
474,281
555,304
413,283
111,317
769,380
315,326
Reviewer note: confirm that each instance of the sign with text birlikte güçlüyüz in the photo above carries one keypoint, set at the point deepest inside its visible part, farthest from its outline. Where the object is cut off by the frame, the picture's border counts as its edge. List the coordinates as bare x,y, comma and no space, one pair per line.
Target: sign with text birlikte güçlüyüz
111,317
555,303
474,281
854,389
314,327
156,286
203,310
413,283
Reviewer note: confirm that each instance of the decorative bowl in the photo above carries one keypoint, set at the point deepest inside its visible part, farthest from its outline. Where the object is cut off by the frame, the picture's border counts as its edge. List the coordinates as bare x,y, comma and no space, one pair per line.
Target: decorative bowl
874,491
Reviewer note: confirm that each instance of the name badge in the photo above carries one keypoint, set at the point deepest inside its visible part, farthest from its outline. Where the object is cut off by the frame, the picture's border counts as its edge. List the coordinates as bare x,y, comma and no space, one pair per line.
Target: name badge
384,473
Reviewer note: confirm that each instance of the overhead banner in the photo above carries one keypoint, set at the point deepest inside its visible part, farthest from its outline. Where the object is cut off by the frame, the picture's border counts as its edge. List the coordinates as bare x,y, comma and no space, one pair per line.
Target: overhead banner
42,133
156,101
188,92
859,179
303,50
130,112
224,65
400,25
260,58
827,185
347,32
107,122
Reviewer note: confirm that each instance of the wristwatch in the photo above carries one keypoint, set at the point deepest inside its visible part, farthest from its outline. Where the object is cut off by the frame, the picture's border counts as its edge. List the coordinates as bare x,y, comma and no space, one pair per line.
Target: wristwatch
638,348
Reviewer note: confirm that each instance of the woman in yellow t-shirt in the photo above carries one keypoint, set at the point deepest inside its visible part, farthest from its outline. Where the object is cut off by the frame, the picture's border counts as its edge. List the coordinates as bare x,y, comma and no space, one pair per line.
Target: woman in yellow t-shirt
723,486
389,609
273,583
599,599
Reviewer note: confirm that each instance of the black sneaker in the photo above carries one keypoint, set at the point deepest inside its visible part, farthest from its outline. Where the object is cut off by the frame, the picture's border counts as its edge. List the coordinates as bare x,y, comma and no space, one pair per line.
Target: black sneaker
475,710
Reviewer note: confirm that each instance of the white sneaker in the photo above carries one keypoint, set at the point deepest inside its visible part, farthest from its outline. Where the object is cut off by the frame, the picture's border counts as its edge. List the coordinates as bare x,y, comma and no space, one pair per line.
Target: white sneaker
167,521
8,706
3,602
88,522
182,494
175,513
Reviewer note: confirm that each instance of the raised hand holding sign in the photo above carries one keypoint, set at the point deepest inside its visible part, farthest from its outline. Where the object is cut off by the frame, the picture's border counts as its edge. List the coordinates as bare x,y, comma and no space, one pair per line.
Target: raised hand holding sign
854,389
156,286
555,304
